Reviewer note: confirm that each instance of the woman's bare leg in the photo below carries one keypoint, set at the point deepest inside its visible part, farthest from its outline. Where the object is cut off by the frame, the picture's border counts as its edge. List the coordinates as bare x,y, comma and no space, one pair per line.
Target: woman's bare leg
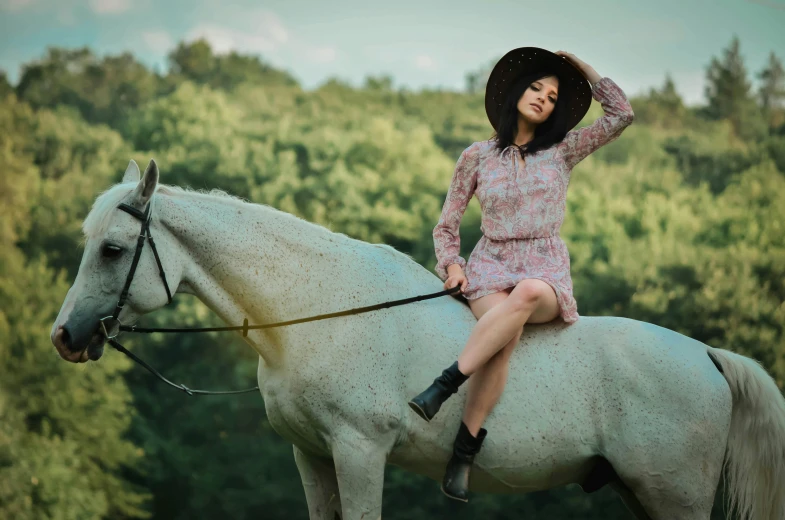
501,322
485,391
487,383
482,383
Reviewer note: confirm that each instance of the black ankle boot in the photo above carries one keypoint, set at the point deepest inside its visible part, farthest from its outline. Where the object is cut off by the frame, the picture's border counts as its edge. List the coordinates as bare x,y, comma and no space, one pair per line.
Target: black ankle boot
456,478
428,402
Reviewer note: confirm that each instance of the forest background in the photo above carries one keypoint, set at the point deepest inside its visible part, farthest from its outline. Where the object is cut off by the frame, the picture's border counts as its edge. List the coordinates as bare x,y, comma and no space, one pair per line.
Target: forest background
680,222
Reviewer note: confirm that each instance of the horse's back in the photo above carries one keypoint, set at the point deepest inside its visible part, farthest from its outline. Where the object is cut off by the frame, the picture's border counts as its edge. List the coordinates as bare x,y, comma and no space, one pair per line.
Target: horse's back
572,389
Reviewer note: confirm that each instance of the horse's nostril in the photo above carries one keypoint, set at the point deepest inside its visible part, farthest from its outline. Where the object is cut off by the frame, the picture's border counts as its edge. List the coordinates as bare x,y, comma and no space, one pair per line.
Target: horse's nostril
65,337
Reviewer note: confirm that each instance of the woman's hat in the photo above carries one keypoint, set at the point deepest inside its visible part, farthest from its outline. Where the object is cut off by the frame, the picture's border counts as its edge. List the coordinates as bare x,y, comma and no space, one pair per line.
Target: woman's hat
574,89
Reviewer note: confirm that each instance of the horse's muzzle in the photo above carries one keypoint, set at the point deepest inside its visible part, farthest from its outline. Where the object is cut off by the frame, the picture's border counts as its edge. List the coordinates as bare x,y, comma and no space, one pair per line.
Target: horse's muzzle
64,344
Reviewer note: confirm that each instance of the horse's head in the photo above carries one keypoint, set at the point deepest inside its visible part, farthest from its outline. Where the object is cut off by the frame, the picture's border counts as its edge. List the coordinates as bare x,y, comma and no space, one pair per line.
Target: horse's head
112,232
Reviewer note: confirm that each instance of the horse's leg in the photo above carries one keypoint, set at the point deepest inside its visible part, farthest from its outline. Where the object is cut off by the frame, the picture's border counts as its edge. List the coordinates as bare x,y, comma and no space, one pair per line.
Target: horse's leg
320,485
359,465
676,476
630,500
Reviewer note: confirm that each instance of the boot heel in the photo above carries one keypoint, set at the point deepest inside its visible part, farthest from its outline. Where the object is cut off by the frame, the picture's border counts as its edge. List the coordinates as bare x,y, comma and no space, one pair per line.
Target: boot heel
428,402
416,404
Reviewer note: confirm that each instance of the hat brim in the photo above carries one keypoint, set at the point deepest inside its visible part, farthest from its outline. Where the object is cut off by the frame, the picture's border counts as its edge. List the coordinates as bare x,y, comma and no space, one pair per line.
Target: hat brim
574,88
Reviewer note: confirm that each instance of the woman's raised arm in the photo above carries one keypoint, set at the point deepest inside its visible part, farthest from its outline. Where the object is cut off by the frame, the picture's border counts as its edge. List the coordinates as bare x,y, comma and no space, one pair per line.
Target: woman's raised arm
580,142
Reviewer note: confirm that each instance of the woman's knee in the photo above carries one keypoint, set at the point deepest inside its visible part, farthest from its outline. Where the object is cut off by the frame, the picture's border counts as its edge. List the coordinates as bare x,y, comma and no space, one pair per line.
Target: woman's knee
528,294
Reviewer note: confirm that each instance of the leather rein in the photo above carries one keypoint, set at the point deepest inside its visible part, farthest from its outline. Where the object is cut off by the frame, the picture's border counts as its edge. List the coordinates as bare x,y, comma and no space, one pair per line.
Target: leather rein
111,327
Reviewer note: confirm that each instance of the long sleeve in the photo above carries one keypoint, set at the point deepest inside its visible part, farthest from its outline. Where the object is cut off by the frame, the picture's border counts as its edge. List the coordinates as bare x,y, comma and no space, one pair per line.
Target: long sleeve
580,142
446,238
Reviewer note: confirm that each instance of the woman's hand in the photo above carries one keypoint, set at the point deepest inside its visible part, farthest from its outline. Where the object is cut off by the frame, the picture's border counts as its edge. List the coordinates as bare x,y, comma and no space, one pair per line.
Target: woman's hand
455,276
588,72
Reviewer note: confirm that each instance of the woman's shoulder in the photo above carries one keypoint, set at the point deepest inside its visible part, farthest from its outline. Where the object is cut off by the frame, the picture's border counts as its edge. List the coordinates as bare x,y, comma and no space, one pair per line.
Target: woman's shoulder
480,147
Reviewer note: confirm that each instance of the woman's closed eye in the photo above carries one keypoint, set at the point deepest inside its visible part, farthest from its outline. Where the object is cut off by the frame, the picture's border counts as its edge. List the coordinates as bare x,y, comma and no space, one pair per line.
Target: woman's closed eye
552,100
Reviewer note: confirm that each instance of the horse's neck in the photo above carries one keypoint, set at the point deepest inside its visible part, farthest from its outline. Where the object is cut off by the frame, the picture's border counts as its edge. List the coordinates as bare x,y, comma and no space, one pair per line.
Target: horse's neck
254,262
246,261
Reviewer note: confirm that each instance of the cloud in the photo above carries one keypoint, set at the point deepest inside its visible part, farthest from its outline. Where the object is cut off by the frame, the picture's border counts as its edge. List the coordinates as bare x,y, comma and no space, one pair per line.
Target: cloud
424,62
159,41
110,6
62,10
257,32
268,34
224,39
15,5
67,6
321,54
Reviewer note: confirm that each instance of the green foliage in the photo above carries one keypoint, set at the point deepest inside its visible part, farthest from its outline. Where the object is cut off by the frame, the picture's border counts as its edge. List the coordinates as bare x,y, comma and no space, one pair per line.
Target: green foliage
62,446
729,97
5,87
772,89
76,161
102,90
714,168
775,148
679,222
63,451
662,107
196,62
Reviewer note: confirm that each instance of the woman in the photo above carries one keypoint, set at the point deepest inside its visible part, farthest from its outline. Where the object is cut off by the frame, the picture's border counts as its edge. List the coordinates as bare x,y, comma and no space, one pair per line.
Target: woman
519,271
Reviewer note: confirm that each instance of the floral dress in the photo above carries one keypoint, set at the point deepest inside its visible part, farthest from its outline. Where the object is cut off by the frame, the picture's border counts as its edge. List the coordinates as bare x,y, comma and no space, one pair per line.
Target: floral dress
522,207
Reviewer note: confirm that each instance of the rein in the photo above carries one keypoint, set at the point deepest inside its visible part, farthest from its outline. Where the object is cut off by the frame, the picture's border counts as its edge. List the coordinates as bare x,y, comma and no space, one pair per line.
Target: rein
115,327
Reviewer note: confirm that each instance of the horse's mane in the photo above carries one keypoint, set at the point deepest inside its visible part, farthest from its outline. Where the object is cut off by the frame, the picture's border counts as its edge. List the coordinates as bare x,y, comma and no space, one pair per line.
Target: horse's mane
97,221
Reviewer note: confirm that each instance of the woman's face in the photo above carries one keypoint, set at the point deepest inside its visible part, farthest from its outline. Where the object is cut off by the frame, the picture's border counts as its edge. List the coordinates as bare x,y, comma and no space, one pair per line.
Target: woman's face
541,94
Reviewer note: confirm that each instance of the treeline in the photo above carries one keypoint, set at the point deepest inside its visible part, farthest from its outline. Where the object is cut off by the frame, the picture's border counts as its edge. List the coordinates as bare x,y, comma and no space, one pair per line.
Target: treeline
681,222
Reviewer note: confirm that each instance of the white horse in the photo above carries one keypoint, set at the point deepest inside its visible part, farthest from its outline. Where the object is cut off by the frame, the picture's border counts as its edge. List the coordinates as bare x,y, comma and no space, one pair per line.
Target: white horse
605,400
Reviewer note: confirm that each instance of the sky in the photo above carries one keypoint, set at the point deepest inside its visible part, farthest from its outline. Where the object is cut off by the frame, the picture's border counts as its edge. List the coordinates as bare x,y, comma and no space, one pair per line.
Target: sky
421,44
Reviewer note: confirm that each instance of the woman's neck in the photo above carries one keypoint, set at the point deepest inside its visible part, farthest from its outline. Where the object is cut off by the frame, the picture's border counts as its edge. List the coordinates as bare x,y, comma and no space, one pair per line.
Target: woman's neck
525,132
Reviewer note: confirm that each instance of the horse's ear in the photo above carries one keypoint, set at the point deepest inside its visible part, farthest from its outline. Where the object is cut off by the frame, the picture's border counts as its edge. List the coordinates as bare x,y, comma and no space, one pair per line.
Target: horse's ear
132,172
146,187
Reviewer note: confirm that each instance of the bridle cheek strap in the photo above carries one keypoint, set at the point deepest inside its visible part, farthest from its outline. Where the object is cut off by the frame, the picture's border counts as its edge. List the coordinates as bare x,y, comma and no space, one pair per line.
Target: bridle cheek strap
113,330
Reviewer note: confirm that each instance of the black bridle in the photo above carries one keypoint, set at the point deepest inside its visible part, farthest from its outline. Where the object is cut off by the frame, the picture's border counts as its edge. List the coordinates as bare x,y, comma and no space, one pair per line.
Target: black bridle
116,327
144,233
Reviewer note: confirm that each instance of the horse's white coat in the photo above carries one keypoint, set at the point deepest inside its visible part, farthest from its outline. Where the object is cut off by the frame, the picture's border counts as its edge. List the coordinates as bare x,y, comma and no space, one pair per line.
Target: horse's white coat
647,399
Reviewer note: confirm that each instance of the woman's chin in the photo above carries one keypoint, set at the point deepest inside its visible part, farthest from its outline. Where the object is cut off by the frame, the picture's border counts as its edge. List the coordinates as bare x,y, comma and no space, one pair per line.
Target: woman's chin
532,117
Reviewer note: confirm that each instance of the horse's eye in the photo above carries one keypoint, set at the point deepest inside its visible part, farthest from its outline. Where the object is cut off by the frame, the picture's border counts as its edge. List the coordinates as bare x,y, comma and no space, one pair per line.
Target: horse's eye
110,251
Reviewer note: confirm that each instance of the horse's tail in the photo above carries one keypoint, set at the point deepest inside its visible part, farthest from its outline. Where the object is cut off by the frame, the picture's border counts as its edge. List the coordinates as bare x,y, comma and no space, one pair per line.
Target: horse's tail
755,456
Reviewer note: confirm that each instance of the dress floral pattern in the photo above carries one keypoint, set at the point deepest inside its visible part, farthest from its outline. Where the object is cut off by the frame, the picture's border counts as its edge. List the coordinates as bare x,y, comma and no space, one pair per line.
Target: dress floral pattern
523,207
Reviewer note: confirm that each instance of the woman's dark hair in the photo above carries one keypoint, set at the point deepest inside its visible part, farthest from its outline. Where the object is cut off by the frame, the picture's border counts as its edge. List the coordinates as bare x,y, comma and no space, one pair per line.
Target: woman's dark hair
547,133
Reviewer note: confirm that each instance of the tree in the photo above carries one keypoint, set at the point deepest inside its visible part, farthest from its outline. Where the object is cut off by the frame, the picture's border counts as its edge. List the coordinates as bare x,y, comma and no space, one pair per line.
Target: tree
667,97
196,62
5,86
727,86
662,107
772,91
103,91
728,94
477,80
382,82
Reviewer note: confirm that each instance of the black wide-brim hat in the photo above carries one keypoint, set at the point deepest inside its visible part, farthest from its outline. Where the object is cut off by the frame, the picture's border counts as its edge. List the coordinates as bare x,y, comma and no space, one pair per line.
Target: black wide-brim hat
574,88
